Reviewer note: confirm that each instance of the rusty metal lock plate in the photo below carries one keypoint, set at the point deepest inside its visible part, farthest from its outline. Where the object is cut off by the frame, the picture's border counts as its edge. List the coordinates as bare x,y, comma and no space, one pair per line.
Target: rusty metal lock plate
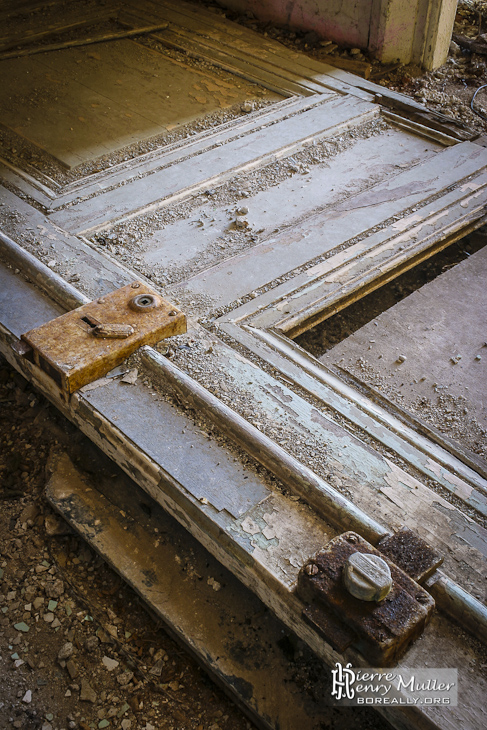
380,630
86,343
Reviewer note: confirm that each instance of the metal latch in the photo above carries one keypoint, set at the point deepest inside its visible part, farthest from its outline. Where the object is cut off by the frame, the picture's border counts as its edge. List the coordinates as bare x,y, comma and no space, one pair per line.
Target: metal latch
357,596
86,343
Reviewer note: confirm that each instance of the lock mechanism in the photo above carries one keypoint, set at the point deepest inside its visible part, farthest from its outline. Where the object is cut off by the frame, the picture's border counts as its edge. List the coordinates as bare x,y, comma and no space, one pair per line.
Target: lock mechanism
356,596
86,343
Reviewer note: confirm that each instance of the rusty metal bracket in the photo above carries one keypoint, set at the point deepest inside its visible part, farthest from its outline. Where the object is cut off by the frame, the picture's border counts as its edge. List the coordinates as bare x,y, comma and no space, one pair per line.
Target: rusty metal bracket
411,553
85,343
380,629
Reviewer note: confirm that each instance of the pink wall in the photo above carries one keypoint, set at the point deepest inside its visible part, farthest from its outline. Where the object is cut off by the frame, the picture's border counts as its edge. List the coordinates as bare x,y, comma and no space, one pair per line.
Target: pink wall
343,21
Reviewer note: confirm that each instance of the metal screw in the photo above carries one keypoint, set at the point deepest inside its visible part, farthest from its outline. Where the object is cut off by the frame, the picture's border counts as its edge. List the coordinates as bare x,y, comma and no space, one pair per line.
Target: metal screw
352,539
135,285
172,313
422,598
311,569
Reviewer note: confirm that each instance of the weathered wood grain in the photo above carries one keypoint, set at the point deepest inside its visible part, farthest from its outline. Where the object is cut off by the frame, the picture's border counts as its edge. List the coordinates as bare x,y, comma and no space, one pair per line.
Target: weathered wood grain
379,487
269,573
215,166
176,152
336,223
423,453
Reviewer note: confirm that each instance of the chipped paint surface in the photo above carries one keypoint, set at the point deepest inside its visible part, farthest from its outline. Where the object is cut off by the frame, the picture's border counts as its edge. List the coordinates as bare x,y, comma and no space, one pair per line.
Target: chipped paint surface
374,483
283,535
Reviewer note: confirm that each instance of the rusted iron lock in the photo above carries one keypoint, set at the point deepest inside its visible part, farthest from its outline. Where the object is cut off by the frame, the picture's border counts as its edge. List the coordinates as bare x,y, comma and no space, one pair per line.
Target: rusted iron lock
357,596
86,343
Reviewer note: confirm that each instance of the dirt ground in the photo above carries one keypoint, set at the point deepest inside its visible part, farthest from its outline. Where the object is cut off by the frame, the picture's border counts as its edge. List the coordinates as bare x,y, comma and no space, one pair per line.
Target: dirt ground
76,645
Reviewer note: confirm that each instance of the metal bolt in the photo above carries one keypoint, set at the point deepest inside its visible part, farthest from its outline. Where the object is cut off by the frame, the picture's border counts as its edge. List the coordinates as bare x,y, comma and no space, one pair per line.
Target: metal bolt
367,576
422,598
352,538
135,285
172,313
311,569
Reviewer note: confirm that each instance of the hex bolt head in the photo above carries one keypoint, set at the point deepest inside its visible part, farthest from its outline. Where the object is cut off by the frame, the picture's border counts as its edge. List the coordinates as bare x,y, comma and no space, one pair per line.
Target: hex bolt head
367,577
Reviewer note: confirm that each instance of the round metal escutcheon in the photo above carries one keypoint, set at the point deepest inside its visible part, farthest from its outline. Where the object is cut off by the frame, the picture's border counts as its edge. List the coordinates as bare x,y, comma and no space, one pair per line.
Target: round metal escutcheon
144,302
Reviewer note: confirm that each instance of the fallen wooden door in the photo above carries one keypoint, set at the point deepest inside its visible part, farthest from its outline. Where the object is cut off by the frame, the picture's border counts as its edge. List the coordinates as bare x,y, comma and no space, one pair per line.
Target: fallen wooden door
285,191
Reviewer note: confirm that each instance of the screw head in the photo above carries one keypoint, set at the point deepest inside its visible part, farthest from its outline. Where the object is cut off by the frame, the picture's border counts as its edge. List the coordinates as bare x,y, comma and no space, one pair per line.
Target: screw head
311,569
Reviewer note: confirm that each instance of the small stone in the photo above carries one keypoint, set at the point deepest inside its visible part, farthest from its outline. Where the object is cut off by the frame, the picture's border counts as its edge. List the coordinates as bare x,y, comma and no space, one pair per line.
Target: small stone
355,51
38,603
55,589
103,723
87,694
130,378
27,697
65,651
123,708
72,668
22,626
52,605
214,584
157,668
454,49
91,643
110,664
55,525
124,678
247,107
126,724
48,618
243,210
401,358
174,686
67,693
56,623
112,630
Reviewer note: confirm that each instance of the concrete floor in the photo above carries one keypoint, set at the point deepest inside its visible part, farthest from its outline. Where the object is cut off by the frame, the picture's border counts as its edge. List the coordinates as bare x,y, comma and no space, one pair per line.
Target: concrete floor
431,342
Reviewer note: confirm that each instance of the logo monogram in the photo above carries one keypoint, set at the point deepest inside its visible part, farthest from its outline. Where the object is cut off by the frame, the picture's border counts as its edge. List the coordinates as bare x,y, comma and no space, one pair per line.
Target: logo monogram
343,679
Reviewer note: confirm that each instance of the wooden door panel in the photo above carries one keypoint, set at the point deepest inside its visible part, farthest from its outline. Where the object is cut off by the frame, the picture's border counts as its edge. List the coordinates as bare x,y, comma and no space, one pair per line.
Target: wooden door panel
261,226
